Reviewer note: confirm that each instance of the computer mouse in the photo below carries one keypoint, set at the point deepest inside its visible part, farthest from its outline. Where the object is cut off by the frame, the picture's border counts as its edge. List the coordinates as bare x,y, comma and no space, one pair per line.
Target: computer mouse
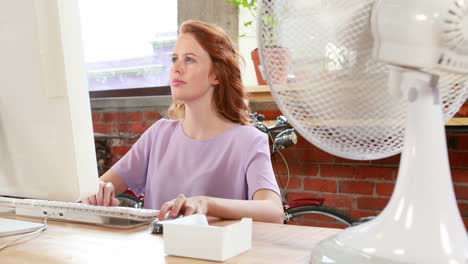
157,225
168,216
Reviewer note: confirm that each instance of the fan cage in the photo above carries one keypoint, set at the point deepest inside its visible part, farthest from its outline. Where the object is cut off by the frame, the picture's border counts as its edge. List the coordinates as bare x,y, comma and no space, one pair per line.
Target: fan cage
316,58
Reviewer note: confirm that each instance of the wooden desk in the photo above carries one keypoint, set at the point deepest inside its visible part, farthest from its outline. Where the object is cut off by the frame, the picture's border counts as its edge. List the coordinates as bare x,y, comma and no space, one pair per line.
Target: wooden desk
65,242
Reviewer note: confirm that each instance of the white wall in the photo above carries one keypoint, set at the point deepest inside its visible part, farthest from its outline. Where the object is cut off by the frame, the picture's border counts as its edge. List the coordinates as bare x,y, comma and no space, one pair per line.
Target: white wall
246,45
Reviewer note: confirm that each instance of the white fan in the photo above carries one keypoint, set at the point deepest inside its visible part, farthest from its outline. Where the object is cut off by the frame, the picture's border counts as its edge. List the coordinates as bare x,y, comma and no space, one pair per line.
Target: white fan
367,79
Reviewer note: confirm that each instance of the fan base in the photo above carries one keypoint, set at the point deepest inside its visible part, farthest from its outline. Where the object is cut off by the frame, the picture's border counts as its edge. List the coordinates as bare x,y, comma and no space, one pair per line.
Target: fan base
340,249
421,223
331,251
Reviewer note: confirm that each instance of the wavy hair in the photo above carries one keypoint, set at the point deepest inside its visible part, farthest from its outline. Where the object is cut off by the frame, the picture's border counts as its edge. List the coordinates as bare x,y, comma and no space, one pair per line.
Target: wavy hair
228,96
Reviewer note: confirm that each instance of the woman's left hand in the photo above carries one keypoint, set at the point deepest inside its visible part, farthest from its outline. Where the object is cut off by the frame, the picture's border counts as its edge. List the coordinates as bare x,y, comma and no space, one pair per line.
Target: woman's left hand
184,205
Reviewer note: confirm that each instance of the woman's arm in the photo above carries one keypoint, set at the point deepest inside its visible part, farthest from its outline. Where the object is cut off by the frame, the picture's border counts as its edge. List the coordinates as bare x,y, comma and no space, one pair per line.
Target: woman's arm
265,207
114,178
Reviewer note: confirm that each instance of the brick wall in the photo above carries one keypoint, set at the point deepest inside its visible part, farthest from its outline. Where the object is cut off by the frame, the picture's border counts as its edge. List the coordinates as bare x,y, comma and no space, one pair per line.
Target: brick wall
360,188
123,129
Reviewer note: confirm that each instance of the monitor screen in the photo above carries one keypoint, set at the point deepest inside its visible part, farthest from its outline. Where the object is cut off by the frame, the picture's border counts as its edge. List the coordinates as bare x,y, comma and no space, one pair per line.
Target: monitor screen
46,134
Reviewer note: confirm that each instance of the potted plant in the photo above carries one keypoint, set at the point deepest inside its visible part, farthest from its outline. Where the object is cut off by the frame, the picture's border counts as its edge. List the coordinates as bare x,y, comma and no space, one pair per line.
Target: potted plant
271,18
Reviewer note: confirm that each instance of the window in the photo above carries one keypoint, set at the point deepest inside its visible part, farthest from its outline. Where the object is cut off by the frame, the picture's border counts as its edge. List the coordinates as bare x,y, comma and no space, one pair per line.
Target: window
128,43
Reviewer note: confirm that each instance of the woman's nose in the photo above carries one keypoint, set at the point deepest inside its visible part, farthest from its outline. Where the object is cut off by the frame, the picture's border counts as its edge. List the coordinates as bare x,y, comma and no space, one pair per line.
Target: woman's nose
177,67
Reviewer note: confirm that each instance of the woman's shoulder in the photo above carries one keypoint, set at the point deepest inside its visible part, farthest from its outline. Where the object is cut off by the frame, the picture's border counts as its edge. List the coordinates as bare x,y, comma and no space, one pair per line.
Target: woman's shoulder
163,125
249,131
163,122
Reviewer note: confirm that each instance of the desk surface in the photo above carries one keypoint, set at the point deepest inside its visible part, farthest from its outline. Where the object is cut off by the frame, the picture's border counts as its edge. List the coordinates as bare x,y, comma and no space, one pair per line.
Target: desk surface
65,242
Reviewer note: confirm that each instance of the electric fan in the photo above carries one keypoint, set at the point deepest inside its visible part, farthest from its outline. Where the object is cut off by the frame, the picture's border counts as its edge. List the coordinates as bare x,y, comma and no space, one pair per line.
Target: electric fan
367,79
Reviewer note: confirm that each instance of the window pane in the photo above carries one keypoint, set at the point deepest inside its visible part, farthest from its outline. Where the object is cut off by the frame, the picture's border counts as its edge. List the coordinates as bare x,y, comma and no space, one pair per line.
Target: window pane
128,43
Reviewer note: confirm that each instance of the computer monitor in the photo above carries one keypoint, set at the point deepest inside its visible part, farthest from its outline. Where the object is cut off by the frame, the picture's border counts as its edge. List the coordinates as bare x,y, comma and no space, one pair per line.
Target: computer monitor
46,135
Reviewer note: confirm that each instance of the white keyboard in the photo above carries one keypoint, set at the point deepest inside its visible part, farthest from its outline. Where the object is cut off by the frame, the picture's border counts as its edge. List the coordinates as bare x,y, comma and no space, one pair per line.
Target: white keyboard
124,217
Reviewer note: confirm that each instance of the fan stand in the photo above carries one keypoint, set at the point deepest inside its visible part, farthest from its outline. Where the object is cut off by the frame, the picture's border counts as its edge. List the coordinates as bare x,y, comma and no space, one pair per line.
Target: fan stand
421,223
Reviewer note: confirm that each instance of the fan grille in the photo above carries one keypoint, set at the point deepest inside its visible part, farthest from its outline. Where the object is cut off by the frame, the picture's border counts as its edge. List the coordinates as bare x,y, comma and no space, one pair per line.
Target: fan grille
317,61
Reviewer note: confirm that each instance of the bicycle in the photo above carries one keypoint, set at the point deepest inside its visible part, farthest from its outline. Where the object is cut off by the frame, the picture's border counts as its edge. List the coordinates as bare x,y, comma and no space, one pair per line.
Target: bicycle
298,207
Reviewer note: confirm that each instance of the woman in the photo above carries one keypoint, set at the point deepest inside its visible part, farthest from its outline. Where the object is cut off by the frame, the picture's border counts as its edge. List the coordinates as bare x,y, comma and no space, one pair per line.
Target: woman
207,159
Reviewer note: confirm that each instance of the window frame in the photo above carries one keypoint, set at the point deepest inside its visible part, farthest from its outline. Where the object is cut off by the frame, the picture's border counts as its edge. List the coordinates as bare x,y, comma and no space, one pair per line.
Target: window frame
132,92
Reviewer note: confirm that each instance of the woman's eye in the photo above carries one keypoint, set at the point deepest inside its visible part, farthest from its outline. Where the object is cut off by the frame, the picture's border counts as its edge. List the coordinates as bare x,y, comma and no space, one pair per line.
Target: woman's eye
174,59
188,59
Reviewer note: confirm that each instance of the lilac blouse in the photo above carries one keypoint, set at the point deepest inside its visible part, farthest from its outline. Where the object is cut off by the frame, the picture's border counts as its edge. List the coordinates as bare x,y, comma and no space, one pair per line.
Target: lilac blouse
164,162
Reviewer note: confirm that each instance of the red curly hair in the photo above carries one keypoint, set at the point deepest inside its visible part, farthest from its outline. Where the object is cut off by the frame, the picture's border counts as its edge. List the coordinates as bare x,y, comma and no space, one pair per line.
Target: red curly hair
228,97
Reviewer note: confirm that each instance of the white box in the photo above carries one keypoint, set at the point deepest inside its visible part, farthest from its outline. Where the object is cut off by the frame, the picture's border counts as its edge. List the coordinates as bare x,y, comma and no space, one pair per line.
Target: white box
192,237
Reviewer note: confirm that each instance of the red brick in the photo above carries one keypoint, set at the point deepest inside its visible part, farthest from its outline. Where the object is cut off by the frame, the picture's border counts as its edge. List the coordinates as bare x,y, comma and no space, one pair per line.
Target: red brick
338,201
301,195
384,189
295,222
130,116
317,155
153,115
372,203
393,160
116,126
111,117
462,143
291,155
397,170
463,210
101,128
317,217
458,159
460,175
461,192
302,143
120,150
140,127
294,182
463,112
114,160
336,171
278,167
379,173
123,128
320,185
357,187
97,117
465,221
306,169
295,168
340,160
270,114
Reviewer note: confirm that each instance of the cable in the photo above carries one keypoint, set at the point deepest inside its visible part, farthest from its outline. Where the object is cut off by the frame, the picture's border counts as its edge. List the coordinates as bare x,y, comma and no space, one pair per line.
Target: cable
30,234
283,191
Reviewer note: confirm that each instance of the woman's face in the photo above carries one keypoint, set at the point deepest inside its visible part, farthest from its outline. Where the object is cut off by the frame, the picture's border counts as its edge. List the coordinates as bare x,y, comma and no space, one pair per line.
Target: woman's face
191,76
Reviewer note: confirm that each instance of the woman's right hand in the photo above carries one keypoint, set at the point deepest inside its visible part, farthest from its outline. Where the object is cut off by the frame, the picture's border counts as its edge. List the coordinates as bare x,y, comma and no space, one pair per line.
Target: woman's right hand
104,197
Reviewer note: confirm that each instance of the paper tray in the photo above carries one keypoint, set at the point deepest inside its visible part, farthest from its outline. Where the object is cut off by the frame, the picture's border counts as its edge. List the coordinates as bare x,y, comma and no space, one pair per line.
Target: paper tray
192,237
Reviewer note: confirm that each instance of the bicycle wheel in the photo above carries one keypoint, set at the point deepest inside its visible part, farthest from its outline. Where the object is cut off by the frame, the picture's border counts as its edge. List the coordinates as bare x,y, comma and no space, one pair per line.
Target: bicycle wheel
326,215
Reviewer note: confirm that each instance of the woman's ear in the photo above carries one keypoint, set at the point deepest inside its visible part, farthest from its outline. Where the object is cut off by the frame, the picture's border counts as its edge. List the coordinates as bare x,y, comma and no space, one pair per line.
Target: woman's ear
214,79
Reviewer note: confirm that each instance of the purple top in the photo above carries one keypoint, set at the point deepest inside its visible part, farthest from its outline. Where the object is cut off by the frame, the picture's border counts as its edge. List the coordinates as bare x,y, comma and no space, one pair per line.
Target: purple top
165,162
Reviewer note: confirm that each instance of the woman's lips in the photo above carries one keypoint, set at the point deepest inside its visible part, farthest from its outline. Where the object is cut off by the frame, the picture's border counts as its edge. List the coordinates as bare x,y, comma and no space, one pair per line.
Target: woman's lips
177,83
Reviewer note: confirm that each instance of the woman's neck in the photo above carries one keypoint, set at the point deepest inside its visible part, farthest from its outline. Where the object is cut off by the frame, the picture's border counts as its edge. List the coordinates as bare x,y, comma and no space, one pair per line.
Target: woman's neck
203,122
